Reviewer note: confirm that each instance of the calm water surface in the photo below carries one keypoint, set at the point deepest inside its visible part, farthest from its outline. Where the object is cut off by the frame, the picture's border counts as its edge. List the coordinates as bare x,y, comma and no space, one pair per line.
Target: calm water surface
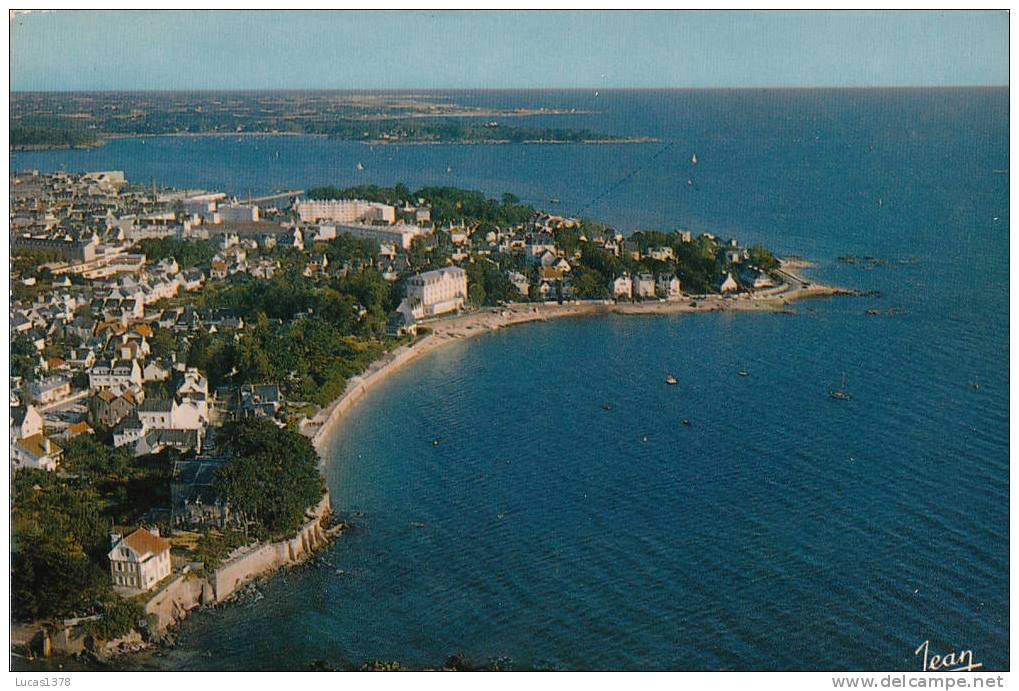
778,530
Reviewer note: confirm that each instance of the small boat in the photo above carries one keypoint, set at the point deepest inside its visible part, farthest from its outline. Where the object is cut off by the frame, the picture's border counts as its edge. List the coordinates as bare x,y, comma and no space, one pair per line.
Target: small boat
360,166
606,407
743,373
671,380
840,394
553,200
449,169
435,442
693,160
419,525
686,422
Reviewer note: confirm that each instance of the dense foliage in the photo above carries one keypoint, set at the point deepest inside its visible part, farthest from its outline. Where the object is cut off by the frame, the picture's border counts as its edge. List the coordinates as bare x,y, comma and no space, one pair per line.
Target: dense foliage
56,137
271,476
188,253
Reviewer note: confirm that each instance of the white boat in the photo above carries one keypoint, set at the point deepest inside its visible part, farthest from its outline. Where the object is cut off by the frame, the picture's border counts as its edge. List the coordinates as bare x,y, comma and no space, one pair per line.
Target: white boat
840,394
693,160
671,380
360,166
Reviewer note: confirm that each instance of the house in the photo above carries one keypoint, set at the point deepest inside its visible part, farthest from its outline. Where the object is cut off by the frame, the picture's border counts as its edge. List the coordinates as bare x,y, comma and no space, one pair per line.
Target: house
644,286
25,422
138,561
36,451
106,408
667,286
153,371
519,282
113,374
49,390
755,279
260,401
662,254
728,284
622,286
193,498
439,291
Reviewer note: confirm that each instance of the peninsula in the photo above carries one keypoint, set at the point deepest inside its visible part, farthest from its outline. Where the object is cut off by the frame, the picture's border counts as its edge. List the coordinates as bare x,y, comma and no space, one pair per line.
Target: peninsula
176,354
60,120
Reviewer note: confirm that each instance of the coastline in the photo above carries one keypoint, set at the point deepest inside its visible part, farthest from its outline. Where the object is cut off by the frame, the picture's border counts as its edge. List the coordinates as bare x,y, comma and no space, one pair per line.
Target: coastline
447,330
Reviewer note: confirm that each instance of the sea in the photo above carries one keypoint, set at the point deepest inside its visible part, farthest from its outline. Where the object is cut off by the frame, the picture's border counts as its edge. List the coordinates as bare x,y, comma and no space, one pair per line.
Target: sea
578,513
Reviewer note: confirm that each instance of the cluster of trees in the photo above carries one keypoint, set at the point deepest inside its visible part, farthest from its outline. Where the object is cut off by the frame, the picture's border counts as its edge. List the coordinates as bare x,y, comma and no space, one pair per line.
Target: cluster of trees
272,475
455,131
188,253
310,337
31,137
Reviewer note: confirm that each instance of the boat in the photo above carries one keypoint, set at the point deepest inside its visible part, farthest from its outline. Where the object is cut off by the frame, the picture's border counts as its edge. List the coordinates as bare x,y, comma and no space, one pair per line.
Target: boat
743,373
360,166
435,442
693,160
606,407
686,422
671,380
449,169
840,394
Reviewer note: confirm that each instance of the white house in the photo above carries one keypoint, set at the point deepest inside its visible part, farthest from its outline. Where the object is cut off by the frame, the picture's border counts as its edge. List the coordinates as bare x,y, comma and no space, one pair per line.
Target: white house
728,284
439,291
36,451
138,561
111,374
622,286
25,421
49,390
668,286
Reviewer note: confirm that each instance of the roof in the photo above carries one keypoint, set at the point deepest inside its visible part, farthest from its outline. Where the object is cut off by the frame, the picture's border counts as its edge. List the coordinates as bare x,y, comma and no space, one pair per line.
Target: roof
34,445
156,405
143,542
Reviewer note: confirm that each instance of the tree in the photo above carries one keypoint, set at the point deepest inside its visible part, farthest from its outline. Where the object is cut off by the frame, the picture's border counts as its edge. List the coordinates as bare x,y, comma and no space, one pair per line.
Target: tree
272,475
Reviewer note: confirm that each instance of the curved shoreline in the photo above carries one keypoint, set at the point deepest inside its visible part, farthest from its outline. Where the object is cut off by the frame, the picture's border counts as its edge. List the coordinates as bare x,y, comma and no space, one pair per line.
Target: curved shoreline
450,329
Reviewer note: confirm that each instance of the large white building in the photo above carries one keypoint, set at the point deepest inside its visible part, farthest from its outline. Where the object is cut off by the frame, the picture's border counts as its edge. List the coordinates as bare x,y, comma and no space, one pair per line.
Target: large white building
138,561
400,233
345,211
238,213
439,291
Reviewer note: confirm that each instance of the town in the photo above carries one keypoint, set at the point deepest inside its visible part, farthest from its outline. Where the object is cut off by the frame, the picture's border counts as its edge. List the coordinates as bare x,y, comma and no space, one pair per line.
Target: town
162,339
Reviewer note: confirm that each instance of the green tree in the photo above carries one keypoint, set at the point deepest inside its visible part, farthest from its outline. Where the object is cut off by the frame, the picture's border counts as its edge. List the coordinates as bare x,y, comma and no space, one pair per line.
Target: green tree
272,475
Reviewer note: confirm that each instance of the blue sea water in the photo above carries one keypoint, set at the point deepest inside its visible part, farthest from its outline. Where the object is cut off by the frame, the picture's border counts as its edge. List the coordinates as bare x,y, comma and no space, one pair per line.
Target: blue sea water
780,529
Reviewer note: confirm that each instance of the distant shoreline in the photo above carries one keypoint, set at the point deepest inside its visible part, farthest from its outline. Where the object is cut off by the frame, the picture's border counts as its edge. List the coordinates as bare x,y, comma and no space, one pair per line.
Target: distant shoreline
447,330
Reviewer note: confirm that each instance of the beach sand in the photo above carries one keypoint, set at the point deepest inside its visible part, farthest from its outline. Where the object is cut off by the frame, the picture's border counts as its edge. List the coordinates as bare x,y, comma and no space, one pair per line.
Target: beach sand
449,329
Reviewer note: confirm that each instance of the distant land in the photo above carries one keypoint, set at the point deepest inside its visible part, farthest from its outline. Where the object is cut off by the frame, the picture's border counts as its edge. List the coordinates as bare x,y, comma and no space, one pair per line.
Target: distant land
72,119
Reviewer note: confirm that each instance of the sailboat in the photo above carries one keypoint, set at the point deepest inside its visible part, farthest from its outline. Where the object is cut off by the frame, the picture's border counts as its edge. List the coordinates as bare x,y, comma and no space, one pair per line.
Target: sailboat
360,166
693,160
840,394
670,380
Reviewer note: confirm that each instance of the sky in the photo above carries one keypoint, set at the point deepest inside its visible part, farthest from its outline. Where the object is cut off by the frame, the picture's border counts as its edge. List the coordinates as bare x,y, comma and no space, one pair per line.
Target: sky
121,50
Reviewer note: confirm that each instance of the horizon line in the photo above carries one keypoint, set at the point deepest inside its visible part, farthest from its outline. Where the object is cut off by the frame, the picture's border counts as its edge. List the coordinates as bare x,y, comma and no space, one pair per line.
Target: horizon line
931,87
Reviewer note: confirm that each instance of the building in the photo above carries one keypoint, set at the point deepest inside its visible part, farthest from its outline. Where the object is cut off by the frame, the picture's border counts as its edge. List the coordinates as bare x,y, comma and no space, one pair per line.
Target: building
439,291
113,374
344,211
644,286
36,451
401,234
238,213
106,408
519,282
138,561
25,422
193,498
260,400
728,284
667,286
622,286
66,248
49,390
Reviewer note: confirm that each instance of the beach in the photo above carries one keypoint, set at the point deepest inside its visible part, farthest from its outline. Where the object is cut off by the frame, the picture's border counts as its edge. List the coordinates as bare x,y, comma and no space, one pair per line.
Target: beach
794,286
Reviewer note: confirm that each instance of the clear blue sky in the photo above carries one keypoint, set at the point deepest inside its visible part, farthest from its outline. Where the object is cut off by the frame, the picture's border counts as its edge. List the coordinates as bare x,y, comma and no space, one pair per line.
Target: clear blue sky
516,49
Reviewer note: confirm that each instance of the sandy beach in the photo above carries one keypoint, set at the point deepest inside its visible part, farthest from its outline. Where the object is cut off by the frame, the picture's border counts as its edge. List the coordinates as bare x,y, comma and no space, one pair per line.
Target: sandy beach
446,330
